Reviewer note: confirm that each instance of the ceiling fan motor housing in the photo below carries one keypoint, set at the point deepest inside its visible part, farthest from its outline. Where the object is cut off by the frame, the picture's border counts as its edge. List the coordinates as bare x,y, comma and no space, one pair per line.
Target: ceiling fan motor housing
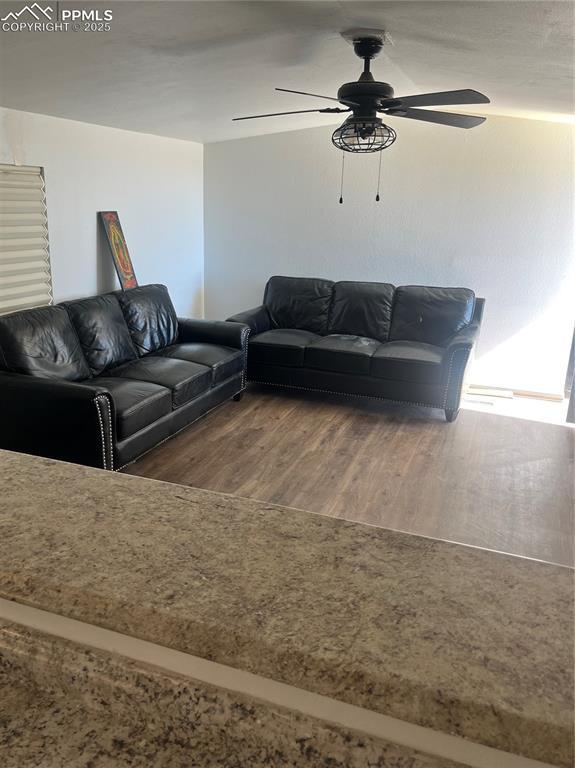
367,94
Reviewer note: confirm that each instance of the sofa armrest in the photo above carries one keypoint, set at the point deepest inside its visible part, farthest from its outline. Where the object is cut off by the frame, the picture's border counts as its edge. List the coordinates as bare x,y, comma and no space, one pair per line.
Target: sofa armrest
257,318
457,356
465,338
213,332
56,418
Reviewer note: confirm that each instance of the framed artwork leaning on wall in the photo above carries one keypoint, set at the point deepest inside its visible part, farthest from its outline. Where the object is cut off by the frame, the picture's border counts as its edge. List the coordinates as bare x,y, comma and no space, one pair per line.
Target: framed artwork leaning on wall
119,249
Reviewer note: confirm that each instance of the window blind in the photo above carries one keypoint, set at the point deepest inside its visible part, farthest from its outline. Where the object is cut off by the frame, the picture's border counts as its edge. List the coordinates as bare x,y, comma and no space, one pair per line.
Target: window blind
25,277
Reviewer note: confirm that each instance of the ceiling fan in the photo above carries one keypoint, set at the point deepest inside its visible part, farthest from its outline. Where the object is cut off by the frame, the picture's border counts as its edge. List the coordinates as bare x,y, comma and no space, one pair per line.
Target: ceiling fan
366,97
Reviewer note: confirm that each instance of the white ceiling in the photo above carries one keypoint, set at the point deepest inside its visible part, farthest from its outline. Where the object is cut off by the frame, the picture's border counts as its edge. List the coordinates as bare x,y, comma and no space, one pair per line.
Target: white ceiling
184,69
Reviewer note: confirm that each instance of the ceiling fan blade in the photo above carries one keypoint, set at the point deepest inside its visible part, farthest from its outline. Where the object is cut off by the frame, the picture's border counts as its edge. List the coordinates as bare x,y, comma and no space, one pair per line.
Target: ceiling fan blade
303,93
319,96
443,118
466,96
294,112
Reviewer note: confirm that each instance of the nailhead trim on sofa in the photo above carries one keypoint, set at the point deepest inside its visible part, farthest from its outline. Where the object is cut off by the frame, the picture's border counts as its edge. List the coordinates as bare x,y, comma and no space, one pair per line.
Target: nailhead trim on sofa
244,342
102,437
102,404
455,391
345,394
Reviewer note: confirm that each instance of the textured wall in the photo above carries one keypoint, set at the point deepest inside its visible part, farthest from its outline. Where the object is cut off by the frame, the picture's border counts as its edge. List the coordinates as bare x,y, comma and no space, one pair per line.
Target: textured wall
155,184
490,209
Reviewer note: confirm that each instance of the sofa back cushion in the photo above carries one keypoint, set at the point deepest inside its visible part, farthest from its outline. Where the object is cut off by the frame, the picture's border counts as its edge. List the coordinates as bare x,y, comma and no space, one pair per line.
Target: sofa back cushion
361,309
430,315
102,331
150,317
298,302
42,342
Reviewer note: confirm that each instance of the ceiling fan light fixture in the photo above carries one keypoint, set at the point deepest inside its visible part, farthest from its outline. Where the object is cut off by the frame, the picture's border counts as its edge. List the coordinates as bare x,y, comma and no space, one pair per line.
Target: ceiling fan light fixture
363,134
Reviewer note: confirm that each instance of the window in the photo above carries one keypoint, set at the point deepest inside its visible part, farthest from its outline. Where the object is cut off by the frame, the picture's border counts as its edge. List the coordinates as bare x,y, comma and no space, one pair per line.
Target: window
25,278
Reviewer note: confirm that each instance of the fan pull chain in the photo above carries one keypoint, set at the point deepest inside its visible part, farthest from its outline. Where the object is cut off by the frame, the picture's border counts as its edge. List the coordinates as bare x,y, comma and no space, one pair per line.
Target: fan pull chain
378,179
341,184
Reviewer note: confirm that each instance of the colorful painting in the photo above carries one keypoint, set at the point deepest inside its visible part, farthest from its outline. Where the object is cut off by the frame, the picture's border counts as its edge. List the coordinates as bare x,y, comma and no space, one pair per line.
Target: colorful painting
120,254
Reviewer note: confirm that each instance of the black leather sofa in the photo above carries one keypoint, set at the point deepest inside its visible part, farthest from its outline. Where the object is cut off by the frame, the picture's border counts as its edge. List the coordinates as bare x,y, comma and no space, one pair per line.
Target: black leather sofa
410,344
101,380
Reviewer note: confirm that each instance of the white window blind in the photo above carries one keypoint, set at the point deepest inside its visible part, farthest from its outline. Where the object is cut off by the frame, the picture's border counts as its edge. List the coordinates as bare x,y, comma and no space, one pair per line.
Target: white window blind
25,277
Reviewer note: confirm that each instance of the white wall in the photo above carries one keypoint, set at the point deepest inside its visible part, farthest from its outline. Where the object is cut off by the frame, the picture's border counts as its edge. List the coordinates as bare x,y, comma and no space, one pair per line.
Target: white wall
155,184
490,209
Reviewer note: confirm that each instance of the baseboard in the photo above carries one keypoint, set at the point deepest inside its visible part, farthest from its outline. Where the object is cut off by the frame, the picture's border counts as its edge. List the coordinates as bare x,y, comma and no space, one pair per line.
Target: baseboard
486,390
556,398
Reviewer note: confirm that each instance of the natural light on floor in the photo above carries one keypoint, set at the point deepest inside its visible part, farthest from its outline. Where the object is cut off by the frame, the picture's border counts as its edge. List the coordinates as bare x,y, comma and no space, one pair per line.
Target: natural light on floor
528,408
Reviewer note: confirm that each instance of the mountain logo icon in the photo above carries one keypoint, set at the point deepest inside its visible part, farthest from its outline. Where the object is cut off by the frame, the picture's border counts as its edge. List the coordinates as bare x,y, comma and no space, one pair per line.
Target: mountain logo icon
39,13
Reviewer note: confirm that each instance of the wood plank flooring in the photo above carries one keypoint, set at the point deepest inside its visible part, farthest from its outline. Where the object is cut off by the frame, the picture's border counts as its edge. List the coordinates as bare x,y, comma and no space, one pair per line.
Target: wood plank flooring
486,480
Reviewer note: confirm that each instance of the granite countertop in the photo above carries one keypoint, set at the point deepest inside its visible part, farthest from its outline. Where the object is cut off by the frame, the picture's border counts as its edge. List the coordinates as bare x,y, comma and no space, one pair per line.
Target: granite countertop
69,705
458,639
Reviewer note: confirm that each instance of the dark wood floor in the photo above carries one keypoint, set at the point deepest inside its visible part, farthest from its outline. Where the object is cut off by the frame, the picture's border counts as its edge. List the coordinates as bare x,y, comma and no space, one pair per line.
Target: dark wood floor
486,480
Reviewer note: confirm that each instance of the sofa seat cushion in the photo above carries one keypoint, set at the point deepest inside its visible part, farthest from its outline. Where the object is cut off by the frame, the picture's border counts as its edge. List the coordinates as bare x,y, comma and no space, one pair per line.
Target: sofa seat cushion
361,309
341,352
224,361
408,361
102,331
137,403
430,315
42,342
282,346
185,380
150,317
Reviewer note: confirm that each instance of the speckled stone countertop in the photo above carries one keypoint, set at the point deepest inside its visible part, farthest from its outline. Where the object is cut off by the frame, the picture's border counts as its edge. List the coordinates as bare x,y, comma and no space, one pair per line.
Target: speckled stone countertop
461,640
63,704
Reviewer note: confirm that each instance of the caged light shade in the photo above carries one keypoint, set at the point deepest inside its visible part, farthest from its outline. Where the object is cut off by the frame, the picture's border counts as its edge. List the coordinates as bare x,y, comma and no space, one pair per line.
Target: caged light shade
363,134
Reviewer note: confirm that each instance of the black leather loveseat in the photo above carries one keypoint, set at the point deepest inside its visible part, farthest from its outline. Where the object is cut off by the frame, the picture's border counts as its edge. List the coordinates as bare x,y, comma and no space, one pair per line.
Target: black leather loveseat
99,381
410,344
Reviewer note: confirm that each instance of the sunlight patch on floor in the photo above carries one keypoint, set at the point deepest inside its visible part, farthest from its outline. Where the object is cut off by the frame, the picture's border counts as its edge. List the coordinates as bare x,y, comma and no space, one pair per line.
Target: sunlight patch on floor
528,408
